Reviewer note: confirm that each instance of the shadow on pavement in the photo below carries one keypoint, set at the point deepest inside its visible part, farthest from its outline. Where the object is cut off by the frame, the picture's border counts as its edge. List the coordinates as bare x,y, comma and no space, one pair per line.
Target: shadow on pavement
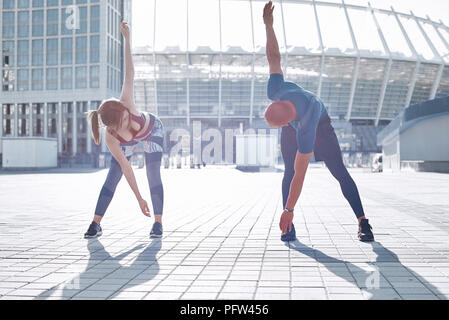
98,254
371,281
4,172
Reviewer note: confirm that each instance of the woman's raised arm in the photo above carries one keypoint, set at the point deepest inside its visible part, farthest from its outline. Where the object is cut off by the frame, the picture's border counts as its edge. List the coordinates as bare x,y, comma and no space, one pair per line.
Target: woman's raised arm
127,96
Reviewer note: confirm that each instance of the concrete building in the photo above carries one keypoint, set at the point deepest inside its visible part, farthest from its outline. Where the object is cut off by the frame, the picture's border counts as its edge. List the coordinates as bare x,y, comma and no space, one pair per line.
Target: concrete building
60,58
418,138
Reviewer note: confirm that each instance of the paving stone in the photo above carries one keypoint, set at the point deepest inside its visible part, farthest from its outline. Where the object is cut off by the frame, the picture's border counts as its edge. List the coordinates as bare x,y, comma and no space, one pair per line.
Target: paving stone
419,297
308,294
345,296
128,295
93,294
235,296
198,296
272,296
224,243
162,296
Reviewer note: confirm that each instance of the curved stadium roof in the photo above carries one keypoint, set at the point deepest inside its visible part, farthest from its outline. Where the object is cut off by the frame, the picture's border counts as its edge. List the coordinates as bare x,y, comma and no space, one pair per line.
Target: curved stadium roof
365,63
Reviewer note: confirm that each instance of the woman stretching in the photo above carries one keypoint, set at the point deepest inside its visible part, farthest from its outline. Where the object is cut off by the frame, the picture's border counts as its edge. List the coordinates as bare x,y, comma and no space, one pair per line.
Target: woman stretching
125,128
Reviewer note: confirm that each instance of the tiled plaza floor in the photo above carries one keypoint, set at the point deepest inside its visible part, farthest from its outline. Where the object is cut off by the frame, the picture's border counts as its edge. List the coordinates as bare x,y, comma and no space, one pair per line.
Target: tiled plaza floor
221,238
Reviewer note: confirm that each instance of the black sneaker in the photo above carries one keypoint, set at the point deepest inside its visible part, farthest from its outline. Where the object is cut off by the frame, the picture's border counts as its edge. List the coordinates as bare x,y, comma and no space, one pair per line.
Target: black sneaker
156,231
94,231
365,233
289,235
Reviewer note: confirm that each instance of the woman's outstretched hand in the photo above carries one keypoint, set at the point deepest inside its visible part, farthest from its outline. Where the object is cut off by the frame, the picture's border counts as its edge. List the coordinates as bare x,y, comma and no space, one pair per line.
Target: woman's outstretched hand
144,207
124,28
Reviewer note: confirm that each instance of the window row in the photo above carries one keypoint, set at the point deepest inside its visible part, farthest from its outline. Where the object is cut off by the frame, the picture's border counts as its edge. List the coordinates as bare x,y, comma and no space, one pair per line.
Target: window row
25,4
73,50
20,80
57,22
38,117
114,79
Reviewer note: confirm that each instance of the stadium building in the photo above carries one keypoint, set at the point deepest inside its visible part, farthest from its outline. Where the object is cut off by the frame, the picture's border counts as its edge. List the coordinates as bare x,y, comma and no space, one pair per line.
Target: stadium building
366,64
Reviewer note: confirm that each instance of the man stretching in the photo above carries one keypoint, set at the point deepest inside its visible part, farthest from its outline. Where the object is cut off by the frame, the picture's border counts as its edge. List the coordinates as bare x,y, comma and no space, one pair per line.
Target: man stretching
306,129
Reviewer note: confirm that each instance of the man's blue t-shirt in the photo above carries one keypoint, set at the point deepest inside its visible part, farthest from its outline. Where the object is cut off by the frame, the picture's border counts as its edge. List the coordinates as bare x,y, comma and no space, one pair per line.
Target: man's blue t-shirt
309,107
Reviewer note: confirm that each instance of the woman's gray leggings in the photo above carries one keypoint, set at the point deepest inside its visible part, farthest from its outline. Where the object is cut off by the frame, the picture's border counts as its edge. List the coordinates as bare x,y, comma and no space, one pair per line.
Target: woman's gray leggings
153,168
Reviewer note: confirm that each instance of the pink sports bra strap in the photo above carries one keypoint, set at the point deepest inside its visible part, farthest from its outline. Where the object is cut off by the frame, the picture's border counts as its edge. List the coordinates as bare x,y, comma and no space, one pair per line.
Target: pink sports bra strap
140,120
149,129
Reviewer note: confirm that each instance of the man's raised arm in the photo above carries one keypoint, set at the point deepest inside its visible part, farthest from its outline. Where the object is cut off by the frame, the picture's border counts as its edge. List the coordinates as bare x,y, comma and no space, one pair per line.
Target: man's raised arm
273,54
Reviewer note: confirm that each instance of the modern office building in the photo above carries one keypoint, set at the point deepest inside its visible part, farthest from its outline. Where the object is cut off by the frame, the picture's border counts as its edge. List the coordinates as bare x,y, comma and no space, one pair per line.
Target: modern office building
60,58
365,64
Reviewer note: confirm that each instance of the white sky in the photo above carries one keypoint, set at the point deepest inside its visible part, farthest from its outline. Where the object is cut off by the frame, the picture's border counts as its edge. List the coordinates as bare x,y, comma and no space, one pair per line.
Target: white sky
236,24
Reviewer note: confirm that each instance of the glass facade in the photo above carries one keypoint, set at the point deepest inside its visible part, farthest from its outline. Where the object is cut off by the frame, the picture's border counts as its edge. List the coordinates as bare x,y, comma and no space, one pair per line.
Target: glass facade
81,50
82,127
369,85
52,79
81,77
8,24
337,81
8,54
66,50
37,52
52,118
45,34
37,79
8,120
52,22
22,80
24,4
66,78
8,72
23,125
443,89
424,82
52,52
38,23
8,4
397,88
37,110
23,25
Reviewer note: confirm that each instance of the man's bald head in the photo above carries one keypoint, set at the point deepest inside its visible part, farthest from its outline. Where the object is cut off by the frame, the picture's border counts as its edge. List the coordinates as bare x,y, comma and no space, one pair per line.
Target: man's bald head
280,113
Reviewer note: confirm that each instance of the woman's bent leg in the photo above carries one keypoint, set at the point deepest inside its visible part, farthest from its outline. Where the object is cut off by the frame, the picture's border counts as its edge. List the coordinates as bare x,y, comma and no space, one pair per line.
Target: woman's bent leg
153,168
108,190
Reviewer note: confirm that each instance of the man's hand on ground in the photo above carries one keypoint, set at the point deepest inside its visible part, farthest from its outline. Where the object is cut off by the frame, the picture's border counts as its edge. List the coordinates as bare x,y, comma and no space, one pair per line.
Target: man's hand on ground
286,222
268,14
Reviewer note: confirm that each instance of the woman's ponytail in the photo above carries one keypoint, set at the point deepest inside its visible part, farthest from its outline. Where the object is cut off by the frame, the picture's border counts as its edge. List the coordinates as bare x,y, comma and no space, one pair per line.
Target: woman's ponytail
95,126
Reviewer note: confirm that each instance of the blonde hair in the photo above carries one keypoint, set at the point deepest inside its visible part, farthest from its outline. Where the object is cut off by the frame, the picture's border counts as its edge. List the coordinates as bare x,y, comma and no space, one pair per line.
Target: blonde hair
95,126
110,112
